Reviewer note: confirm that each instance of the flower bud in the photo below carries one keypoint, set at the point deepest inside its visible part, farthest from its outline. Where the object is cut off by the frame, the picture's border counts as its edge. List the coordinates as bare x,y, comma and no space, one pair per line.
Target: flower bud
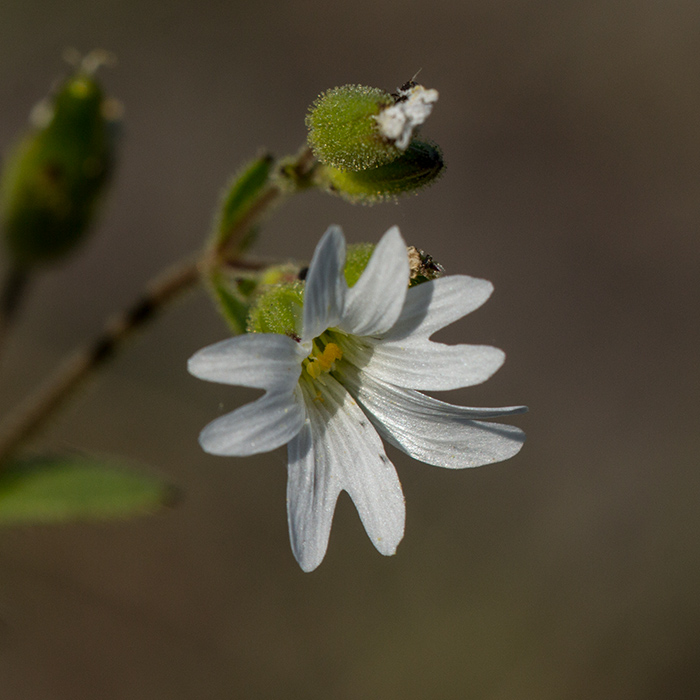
279,310
354,128
343,130
52,181
357,257
418,167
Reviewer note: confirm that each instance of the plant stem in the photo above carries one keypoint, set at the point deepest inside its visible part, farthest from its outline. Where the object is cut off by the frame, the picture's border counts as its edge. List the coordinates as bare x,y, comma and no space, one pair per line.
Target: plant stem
72,373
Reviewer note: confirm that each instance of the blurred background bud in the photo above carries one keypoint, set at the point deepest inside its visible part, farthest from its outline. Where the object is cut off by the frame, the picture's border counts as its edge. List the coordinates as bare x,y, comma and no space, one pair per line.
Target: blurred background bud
52,180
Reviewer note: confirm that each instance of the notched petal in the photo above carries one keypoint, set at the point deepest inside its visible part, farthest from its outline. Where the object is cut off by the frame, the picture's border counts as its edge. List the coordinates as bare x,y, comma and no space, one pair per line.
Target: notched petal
337,450
418,363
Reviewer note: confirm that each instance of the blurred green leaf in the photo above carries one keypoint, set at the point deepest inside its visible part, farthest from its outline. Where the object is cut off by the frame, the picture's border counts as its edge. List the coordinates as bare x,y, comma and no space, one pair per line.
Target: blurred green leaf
50,489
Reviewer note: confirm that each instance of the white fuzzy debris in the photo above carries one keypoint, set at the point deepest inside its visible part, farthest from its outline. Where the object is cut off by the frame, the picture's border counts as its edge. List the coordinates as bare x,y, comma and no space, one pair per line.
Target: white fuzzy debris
414,105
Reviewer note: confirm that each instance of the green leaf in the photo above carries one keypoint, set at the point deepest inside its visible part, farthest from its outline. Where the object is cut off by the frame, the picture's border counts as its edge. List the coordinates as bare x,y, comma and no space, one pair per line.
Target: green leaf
53,489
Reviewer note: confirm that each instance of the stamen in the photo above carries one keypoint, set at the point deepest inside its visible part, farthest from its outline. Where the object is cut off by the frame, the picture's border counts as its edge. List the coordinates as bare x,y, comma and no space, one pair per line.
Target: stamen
322,358
330,354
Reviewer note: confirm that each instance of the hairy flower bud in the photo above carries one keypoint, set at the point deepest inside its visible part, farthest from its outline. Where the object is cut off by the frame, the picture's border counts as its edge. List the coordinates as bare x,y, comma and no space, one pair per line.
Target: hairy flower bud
354,128
418,167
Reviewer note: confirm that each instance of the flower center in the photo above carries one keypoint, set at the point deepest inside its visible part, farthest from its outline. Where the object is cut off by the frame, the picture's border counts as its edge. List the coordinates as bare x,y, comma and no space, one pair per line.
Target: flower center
322,358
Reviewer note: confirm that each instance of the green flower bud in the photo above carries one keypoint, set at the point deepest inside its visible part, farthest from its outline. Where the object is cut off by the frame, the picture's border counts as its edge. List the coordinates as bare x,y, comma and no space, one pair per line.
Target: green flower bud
52,181
354,128
343,130
356,258
279,310
418,167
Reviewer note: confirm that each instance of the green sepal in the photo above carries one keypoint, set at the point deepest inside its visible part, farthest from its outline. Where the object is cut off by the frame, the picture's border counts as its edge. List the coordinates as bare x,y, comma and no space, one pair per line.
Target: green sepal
343,131
53,489
421,165
239,197
53,179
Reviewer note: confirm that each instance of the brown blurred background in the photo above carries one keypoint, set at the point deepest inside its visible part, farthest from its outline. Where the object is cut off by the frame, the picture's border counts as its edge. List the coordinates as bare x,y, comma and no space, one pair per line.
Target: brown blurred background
572,135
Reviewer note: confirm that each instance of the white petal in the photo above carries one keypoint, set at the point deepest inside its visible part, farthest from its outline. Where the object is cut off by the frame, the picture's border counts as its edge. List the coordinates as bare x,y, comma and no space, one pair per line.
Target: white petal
257,360
433,431
312,492
325,288
264,425
337,449
418,363
437,303
374,303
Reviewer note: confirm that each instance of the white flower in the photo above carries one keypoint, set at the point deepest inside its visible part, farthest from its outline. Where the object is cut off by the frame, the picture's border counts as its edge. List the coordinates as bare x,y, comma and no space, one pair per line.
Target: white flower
350,376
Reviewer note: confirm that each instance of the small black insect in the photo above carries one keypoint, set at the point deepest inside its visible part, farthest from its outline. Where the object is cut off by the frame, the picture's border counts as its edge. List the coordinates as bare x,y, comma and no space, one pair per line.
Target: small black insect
422,266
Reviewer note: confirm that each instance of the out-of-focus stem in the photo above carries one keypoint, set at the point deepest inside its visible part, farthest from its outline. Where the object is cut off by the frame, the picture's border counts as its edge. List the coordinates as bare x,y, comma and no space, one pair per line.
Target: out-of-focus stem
14,287
81,364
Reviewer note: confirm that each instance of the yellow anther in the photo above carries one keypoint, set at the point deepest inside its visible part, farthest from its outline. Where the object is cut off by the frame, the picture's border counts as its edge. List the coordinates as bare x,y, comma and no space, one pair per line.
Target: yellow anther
313,367
330,354
322,361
